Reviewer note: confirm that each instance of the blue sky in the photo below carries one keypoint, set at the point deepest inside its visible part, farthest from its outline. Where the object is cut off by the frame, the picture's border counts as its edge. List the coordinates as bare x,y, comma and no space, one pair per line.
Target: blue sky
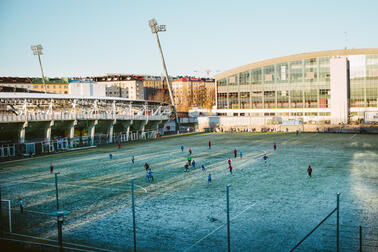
90,37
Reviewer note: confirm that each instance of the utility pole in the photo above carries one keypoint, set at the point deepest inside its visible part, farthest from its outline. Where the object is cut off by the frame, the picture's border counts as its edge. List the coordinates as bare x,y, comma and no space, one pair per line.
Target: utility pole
155,28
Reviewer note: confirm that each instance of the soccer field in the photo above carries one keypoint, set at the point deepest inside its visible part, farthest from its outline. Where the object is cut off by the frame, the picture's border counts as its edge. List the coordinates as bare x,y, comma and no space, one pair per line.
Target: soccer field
273,205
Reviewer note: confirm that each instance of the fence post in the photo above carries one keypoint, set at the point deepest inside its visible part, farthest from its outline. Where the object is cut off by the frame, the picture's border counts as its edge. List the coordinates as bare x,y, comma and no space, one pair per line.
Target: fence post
228,218
133,208
56,190
338,223
360,239
10,216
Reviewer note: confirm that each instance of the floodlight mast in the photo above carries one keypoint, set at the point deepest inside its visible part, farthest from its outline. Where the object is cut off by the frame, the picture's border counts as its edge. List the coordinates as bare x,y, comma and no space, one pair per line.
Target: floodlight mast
155,28
37,50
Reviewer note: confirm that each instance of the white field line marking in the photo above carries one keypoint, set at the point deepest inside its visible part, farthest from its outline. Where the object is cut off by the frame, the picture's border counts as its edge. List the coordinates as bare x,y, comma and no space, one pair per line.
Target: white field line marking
66,184
69,243
43,244
160,190
145,190
38,243
31,211
353,136
212,232
44,156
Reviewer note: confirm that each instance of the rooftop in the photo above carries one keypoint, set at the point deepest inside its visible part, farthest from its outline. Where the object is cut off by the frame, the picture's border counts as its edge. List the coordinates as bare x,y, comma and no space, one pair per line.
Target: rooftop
294,57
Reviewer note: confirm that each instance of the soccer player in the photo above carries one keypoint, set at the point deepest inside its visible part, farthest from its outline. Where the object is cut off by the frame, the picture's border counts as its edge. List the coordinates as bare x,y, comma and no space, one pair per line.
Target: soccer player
309,171
51,168
186,166
189,159
110,155
132,159
209,179
147,177
229,161
150,177
209,145
119,145
235,153
21,205
241,154
182,147
230,167
274,146
265,157
203,168
194,164
190,151
146,166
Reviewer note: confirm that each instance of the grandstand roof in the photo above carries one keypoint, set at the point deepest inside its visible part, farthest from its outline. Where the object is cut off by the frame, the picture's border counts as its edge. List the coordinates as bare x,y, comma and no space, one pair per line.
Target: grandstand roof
294,57
8,95
15,80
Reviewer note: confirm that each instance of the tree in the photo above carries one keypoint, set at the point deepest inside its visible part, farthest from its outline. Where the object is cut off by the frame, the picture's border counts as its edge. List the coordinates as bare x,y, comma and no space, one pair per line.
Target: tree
210,98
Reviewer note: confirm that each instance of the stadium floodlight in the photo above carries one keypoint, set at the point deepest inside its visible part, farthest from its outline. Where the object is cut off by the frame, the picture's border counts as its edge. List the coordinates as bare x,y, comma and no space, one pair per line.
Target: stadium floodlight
155,28
37,50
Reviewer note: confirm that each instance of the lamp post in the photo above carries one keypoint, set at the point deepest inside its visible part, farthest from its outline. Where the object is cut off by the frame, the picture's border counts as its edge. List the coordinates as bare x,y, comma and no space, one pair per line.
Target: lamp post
37,50
155,28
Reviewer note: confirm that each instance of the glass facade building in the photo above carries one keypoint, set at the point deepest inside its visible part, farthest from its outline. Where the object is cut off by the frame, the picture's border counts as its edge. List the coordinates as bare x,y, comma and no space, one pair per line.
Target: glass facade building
299,86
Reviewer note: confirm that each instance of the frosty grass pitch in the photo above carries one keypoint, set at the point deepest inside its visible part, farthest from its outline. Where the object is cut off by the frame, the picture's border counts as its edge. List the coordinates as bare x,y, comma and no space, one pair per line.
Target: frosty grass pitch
272,205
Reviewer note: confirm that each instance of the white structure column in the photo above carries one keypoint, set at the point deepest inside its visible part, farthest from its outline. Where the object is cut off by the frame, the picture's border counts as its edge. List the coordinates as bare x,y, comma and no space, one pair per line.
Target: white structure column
48,131
71,132
110,131
126,126
91,131
21,133
143,127
339,85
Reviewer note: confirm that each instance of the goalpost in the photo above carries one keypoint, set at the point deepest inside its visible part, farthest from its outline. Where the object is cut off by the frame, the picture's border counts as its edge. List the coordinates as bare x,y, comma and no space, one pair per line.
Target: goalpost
9,214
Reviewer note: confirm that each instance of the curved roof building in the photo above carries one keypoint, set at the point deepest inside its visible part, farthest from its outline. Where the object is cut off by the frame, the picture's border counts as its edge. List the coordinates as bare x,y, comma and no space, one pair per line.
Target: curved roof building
334,86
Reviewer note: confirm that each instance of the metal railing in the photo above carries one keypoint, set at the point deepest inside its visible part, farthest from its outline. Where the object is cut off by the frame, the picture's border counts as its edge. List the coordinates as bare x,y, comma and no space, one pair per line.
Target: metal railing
75,116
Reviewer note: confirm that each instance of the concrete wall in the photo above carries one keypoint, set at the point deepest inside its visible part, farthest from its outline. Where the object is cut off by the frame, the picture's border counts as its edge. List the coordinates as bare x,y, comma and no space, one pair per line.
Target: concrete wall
339,90
131,89
87,89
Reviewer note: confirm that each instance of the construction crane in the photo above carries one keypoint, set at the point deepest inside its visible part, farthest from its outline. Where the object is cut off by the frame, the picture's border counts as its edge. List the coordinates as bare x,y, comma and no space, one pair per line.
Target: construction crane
207,71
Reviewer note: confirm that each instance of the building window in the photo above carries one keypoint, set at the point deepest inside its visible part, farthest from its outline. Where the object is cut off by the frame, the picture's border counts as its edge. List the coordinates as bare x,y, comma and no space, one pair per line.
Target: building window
296,71
222,100
244,78
244,100
256,97
283,99
233,100
256,76
269,74
232,80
